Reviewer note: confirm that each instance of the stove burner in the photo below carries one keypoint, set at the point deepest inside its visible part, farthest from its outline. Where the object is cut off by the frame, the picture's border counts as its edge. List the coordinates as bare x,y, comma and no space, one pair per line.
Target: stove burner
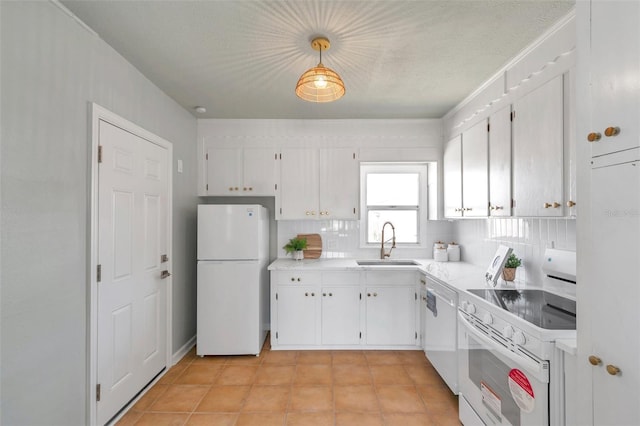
540,308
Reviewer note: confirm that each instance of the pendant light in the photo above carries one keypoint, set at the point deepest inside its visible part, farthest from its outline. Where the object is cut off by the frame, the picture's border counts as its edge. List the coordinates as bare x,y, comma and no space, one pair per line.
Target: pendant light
320,84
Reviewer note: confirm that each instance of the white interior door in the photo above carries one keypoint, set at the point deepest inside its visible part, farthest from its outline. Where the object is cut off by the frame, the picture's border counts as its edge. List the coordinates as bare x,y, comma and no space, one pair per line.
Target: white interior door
131,294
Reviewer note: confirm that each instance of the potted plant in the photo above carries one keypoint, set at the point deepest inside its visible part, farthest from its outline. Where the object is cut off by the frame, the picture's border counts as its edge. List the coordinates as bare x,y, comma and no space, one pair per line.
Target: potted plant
295,246
509,270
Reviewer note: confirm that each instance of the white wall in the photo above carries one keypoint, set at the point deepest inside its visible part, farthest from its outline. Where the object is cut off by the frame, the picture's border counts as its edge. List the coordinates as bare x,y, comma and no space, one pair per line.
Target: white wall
51,68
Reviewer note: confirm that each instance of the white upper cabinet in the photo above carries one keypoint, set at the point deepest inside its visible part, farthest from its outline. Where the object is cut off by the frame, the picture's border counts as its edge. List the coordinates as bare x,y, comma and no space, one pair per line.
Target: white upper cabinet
318,184
500,163
538,149
452,166
466,176
475,173
240,171
339,184
614,65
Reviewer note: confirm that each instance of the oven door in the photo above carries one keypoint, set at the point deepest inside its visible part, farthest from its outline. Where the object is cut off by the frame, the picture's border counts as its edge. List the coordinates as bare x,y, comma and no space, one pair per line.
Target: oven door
502,386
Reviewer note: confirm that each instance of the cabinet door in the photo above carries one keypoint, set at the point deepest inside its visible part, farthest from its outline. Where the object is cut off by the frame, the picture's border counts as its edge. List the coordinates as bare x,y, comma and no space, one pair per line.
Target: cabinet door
296,310
340,315
298,184
452,167
538,148
259,166
224,175
613,294
615,74
339,184
390,315
475,171
500,163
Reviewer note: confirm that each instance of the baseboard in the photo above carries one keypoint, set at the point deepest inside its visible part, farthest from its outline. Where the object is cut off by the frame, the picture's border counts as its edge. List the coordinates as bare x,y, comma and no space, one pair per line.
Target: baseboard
180,353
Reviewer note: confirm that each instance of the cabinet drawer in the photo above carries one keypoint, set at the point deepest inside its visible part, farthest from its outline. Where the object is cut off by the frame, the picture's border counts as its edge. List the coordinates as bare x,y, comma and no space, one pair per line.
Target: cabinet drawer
295,278
340,278
390,277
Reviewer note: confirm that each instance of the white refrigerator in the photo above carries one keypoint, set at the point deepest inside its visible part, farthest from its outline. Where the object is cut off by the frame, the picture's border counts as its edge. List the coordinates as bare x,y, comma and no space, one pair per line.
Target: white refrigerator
233,281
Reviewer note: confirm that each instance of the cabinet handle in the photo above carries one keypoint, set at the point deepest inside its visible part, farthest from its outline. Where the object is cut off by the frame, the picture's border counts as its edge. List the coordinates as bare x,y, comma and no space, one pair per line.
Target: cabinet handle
611,131
293,279
594,360
457,210
547,205
613,370
570,203
594,136
556,205
467,209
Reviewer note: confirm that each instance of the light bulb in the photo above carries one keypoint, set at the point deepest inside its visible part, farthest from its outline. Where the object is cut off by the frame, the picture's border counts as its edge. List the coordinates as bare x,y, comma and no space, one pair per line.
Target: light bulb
320,82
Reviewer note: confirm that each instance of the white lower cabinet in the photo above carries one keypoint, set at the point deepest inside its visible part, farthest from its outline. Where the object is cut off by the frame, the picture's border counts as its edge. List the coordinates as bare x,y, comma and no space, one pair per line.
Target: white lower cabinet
340,315
296,313
344,309
391,316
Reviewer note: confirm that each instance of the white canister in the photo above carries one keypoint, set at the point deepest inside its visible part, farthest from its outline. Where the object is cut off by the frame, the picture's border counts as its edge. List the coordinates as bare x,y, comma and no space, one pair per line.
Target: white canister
453,252
439,245
440,254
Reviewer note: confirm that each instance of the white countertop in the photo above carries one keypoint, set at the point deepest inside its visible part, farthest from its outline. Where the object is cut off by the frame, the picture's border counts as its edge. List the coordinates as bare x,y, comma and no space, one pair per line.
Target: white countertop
459,275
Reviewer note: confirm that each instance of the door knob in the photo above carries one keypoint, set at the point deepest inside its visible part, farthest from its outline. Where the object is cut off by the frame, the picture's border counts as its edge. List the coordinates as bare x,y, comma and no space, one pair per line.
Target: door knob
165,274
594,360
593,136
611,131
613,370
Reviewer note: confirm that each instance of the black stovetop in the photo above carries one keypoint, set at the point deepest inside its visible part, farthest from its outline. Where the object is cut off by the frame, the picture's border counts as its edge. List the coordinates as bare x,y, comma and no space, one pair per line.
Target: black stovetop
541,308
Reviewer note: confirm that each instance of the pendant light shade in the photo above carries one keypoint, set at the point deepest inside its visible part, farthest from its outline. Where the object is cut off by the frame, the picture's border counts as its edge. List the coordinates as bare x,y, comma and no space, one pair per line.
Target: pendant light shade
320,84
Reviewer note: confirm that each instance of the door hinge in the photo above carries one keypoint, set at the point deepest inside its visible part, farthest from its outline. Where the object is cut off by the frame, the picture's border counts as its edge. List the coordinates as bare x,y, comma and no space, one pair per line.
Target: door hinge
354,155
354,210
280,156
206,156
99,153
360,296
415,296
99,273
276,185
416,335
513,203
275,156
98,388
276,334
280,210
276,296
512,116
360,335
206,187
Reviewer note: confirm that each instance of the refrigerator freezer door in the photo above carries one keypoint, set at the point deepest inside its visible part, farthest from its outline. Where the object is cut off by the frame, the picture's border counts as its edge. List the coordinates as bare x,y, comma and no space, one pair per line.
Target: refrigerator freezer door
228,314
229,232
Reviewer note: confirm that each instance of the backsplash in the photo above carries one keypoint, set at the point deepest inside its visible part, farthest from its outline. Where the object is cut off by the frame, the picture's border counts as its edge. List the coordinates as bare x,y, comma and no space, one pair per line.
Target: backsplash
341,238
480,238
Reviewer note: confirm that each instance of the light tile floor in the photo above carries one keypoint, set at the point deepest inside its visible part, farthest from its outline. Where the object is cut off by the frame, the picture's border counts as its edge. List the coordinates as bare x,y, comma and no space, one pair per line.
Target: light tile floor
299,388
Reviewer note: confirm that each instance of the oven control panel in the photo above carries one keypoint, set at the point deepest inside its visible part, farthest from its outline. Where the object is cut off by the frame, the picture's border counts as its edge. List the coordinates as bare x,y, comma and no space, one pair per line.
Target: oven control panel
501,325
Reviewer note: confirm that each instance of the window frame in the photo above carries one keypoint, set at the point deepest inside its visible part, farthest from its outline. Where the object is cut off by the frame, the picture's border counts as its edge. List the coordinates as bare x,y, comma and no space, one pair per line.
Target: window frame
423,199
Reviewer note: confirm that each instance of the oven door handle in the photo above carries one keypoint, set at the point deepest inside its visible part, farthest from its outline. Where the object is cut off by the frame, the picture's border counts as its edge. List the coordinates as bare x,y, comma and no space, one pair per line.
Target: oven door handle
531,365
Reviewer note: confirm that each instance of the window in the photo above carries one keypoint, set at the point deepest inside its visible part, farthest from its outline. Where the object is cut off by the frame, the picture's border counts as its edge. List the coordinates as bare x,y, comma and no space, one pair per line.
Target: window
396,193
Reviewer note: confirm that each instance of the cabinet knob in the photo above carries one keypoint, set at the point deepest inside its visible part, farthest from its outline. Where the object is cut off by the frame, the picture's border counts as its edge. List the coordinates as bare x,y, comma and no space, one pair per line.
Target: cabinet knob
571,203
594,136
308,213
293,279
313,213
375,294
611,131
250,188
556,205
547,205
594,360
313,294
321,213
324,294
298,279
236,188
231,188
457,209
613,370
368,294
499,207
244,188
306,294
330,294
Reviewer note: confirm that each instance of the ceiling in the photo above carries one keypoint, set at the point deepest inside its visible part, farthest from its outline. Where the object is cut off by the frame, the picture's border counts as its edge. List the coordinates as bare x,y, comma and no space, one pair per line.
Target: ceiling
242,59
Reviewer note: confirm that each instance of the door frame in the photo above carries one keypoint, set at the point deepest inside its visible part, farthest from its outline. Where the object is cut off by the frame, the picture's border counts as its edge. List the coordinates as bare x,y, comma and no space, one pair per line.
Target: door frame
97,114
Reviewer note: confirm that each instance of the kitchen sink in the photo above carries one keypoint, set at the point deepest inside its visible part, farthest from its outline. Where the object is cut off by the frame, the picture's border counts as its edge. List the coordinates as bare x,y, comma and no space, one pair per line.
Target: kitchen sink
381,262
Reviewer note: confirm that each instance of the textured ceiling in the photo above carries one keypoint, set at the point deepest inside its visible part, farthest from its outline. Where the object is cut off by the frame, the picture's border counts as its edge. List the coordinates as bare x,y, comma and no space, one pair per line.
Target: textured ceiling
242,59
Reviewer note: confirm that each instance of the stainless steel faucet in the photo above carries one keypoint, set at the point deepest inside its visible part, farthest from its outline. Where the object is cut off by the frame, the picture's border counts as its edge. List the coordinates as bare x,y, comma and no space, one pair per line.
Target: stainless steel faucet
384,254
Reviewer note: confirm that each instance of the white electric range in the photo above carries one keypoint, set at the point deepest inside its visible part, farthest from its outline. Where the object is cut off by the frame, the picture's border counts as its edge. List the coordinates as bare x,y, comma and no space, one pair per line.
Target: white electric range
510,371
